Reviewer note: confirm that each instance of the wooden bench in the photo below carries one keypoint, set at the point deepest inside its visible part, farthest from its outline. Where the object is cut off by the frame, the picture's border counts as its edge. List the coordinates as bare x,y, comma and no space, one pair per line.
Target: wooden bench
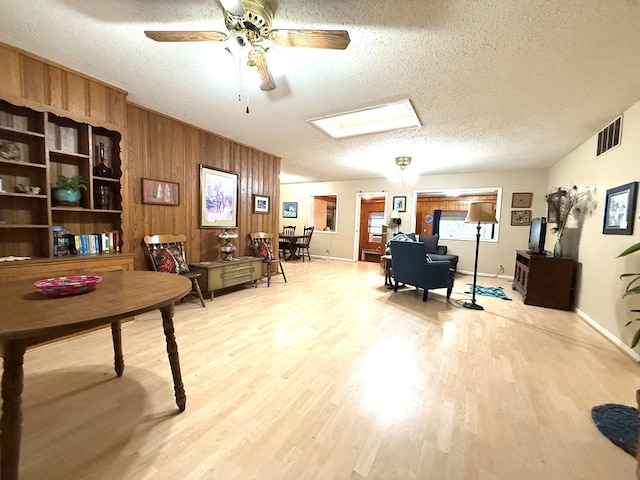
370,255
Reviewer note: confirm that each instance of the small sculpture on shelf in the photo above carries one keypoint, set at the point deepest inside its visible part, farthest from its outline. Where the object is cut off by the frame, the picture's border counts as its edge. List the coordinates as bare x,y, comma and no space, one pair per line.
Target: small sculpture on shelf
101,170
227,248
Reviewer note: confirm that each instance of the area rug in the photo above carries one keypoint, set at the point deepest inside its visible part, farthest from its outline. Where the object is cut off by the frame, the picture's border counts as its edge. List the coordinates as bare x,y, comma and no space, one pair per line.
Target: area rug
497,292
619,423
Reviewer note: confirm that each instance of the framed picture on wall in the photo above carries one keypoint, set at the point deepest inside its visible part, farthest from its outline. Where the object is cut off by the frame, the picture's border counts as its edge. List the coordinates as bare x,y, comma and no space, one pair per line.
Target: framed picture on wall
521,200
400,204
160,192
620,209
521,217
218,198
289,209
261,204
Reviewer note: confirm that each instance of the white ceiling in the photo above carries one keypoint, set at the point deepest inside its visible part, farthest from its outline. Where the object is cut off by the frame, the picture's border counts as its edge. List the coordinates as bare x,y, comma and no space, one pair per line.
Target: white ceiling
497,84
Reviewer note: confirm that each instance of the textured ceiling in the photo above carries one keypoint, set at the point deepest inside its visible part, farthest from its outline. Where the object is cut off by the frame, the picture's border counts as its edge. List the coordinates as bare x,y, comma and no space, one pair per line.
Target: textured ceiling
497,84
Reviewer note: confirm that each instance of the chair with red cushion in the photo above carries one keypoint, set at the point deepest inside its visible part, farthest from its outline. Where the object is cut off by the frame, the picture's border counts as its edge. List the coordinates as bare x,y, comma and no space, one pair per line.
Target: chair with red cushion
166,253
262,244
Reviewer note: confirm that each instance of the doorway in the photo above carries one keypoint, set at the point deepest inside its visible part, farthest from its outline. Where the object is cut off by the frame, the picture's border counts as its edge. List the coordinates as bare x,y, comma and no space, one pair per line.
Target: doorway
371,220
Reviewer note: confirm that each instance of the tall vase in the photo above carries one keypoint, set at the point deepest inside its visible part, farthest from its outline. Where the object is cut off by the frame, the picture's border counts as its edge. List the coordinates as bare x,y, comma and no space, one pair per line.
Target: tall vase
557,249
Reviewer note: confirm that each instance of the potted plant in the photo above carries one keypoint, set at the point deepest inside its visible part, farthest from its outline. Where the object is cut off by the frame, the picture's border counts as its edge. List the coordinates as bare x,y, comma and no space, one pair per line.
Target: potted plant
67,191
633,288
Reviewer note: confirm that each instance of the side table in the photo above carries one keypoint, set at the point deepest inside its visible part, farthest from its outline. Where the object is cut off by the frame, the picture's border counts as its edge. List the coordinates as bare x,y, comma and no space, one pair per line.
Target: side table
219,274
385,261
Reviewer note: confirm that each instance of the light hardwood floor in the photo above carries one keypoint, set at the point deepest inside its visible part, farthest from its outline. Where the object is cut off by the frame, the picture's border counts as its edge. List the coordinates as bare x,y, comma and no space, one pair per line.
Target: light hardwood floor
332,376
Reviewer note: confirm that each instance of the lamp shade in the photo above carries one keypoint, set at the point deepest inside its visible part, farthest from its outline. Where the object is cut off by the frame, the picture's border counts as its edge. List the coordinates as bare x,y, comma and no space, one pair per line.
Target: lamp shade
481,212
394,214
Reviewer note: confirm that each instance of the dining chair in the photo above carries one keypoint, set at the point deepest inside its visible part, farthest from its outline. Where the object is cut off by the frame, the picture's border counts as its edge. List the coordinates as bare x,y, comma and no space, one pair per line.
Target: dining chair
167,254
305,242
285,244
262,244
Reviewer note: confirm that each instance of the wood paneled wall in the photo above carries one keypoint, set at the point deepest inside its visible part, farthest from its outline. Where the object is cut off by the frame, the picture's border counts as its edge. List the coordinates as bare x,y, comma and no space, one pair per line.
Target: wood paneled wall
427,205
37,83
153,146
162,148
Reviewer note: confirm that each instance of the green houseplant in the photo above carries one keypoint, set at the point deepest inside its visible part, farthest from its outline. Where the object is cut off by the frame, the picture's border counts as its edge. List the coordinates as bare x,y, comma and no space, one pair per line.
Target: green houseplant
633,288
67,191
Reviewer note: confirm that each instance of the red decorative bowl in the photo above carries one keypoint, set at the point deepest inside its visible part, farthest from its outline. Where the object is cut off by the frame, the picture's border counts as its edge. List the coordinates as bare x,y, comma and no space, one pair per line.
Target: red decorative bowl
63,286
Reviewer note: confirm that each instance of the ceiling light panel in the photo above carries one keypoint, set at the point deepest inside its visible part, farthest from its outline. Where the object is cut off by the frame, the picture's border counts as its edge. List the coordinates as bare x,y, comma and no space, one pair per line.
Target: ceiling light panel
381,118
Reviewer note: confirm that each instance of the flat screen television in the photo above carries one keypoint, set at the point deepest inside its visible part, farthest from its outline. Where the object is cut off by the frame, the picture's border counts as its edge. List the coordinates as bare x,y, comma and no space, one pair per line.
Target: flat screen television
537,234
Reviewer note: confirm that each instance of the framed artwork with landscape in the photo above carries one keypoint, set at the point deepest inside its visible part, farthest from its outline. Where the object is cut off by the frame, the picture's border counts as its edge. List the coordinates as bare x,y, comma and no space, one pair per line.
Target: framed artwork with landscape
218,198
160,192
620,209
261,204
290,209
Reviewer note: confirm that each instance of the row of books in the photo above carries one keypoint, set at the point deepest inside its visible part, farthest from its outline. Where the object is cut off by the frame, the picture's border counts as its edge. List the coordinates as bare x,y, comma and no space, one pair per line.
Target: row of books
94,243
66,243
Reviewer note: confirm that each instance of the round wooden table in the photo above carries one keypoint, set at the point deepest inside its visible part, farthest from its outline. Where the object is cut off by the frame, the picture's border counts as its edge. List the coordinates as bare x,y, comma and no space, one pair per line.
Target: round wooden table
28,317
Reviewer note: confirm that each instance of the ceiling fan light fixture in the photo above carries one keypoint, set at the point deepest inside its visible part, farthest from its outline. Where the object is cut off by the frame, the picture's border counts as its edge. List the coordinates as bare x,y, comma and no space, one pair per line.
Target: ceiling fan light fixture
403,162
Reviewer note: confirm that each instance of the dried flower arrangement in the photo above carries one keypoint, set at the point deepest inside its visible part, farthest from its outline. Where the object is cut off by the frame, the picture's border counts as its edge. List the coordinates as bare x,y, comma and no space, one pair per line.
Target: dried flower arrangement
562,203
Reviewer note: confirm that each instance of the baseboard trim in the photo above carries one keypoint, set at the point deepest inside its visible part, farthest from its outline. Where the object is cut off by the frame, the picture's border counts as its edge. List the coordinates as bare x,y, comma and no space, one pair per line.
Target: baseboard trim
609,336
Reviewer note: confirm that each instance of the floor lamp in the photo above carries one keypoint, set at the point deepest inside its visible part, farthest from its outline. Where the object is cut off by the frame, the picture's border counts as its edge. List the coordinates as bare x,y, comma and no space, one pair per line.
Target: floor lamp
481,212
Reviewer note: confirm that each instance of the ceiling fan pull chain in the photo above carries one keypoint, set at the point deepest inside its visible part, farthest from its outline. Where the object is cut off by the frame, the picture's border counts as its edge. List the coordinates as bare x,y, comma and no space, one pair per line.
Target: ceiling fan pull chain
247,110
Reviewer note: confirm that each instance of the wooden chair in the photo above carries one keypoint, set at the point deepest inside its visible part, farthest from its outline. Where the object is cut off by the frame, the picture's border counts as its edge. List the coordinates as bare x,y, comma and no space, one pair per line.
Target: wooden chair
286,244
166,253
303,244
263,247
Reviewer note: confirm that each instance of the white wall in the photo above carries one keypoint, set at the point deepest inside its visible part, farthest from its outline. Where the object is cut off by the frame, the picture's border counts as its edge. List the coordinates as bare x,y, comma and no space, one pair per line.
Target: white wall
599,293
341,244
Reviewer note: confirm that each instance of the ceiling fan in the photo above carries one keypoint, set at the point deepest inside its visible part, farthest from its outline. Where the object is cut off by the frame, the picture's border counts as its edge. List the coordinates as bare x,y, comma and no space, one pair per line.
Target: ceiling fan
249,24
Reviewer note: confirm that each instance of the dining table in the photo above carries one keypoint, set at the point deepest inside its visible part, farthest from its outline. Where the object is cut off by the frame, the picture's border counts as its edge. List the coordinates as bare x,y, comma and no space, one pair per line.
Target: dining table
293,244
28,318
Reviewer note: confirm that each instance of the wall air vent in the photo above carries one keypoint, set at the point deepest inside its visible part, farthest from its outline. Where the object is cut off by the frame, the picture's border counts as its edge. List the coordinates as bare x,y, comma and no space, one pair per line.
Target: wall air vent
609,136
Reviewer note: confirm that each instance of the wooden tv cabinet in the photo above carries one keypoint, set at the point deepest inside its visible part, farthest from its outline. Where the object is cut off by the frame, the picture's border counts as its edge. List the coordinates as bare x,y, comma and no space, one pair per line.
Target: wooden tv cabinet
544,280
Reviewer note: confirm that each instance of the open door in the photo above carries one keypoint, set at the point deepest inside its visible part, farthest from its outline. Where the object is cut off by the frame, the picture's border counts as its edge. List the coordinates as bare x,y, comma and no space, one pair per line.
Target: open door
372,219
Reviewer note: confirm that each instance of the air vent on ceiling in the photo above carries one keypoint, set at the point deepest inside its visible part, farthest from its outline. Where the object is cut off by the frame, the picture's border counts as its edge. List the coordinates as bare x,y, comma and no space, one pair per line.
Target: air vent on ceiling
609,136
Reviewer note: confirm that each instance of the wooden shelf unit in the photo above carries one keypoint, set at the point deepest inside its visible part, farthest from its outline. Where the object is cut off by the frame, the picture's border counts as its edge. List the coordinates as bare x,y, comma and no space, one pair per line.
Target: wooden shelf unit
544,280
50,145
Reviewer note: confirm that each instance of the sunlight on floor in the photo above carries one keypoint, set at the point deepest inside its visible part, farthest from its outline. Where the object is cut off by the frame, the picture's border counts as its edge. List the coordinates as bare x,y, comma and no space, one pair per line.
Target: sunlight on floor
389,378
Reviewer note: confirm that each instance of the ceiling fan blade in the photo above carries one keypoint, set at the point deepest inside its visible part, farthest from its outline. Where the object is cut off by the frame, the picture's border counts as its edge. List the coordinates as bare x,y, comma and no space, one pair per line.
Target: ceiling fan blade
257,59
336,39
177,36
234,7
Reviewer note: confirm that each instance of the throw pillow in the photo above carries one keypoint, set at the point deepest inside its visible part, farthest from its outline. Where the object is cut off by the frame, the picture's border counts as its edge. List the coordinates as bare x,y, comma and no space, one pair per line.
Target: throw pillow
263,249
430,242
176,251
165,261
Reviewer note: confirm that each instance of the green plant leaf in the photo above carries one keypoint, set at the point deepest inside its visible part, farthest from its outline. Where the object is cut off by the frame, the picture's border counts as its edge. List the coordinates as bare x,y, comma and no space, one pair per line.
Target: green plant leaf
636,339
631,249
632,291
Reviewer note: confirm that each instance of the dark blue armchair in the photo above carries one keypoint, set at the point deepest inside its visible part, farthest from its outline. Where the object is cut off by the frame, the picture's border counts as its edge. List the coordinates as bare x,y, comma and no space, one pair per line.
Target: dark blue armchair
410,266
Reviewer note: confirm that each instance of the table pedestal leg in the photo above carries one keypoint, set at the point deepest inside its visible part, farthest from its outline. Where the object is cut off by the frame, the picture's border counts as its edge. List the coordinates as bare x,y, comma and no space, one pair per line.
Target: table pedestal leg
11,422
118,359
174,360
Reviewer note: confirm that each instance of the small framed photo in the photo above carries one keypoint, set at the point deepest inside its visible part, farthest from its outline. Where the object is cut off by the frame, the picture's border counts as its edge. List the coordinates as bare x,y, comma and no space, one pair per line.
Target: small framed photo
620,209
521,217
400,204
521,200
261,204
159,192
289,209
